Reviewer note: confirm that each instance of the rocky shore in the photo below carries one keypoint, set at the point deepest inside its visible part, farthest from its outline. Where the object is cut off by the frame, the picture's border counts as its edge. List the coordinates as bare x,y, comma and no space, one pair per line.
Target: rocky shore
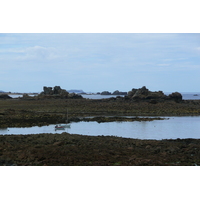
78,150
55,105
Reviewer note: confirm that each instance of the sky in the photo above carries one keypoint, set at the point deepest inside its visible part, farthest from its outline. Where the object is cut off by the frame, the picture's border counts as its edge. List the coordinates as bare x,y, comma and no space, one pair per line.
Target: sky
96,62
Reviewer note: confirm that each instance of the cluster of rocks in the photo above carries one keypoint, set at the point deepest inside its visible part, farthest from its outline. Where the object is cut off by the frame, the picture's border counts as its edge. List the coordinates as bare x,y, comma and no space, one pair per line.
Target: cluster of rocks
5,96
153,97
117,92
57,92
54,91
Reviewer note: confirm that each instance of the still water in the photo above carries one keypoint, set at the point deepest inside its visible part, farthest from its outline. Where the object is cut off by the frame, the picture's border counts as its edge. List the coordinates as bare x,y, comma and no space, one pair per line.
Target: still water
171,128
186,96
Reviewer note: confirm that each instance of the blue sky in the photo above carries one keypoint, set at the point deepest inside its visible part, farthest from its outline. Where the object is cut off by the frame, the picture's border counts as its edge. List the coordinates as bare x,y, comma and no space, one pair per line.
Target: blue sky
97,62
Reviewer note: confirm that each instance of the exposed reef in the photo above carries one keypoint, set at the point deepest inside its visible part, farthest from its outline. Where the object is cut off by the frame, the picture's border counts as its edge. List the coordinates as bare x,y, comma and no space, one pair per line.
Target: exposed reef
79,150
53,93
153,97
5,96
55,105
117,92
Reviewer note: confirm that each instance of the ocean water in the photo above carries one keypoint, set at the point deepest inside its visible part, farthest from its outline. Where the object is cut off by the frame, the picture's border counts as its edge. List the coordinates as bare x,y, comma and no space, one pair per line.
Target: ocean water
170,128
186,96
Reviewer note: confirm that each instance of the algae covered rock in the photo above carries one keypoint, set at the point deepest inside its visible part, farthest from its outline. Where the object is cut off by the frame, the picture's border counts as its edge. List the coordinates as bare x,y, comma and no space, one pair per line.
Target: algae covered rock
56,92
176,96
153,97
5,96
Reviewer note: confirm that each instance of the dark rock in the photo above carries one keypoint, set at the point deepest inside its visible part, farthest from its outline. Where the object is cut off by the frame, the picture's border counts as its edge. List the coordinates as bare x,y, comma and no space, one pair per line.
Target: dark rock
176,96
117,92
58,143
144,94
105,93
132,92
47,90
56,92
74,96
27,97
5,96
152,97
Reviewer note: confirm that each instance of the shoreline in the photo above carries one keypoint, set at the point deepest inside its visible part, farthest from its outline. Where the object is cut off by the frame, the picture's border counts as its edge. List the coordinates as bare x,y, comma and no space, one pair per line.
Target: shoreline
79,150
26,113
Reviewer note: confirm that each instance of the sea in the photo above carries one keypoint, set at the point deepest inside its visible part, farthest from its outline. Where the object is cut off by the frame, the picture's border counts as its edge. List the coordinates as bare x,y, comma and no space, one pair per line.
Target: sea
185,95
168,128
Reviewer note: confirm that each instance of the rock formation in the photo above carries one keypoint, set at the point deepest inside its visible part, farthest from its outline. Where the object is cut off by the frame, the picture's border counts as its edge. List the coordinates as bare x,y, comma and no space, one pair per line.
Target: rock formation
153,97
105,93
57,92
176,96
117,92
5,96
75,96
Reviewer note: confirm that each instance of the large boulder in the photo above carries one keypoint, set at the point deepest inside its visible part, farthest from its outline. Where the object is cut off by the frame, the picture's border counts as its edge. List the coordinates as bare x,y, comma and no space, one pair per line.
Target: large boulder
176,96
75,96
153,97
47,90
5,96
57,90
132,92
105,93
141,93
117,92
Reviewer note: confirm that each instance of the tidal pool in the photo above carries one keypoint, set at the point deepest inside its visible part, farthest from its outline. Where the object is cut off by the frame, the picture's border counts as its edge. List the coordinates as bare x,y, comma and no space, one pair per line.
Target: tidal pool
170,128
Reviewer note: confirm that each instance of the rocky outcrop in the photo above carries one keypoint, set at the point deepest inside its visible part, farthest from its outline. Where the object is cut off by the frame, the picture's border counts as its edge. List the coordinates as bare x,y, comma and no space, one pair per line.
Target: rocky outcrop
74,96
153,97
176,96
5,96
106,93
56,92
117,92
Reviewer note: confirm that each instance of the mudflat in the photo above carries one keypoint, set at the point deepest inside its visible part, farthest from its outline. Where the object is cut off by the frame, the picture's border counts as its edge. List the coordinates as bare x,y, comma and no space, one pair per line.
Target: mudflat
72,149
20,112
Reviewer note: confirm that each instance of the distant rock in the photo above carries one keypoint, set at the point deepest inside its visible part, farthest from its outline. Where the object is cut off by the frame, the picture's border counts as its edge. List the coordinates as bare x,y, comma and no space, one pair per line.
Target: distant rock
56,92
106,93
74,96
117,92
76,91
1,91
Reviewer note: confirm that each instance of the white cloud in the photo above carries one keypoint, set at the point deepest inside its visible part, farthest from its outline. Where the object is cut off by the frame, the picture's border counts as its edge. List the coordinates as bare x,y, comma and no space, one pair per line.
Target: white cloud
163,65
32,53
38,53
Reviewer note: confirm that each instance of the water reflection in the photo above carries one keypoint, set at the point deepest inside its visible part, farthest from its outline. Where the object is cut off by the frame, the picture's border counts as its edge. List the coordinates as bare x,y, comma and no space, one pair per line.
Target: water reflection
3,130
